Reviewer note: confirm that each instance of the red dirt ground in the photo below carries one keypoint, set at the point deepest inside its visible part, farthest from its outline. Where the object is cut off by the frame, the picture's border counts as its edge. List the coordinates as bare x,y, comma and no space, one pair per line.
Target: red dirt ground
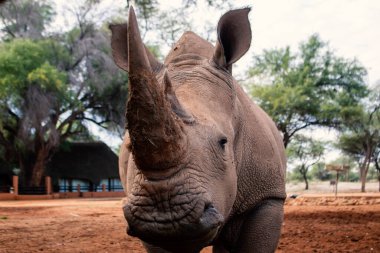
312,224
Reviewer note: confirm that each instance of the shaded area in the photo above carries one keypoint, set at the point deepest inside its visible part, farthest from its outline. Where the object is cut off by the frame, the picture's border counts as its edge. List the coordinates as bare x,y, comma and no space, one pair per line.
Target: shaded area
87,164
91,161
5,176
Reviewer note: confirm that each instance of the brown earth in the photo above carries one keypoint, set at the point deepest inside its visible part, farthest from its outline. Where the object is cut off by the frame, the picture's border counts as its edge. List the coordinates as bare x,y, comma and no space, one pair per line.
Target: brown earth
312,224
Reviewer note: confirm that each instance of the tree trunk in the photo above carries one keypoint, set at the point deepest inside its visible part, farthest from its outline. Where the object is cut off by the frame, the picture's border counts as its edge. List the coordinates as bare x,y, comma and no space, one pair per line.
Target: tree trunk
377,166
25,165
364,169
286,139
306,182
363,176
303,171
364,172
38,168
362,179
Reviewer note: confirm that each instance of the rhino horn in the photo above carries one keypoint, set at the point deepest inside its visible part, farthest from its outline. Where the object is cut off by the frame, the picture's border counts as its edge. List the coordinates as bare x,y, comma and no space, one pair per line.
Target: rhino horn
156,132
120,49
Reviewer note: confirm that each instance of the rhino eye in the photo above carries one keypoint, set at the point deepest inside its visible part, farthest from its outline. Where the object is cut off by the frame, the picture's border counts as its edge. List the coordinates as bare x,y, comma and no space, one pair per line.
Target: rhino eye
222,142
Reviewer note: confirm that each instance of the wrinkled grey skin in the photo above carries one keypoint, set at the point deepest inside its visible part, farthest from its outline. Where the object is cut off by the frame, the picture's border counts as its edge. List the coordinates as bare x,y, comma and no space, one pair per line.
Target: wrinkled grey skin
201,164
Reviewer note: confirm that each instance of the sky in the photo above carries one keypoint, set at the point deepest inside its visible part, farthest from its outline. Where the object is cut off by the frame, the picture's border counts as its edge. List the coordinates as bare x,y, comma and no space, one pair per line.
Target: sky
351,27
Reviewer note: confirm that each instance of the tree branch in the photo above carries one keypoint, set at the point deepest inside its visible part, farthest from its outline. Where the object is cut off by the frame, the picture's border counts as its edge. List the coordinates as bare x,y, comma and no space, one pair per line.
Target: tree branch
99,123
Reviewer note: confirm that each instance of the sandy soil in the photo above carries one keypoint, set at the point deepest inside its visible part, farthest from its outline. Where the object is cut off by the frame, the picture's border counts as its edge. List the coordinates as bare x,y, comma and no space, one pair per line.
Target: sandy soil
312,224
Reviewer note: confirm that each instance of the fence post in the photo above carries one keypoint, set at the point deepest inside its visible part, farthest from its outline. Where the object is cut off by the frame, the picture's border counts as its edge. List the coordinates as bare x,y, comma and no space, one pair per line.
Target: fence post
48,185
103,187
15,184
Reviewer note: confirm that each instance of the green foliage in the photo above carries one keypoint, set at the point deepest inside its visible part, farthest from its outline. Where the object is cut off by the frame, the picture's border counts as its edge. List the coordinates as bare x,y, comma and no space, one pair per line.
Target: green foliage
372,173
172,24
51,87
25,18
361,136
214,3
146,11
296,176
17,60
318,172
48,78
362,132
305,150
24,63
155,50
303,153
310,88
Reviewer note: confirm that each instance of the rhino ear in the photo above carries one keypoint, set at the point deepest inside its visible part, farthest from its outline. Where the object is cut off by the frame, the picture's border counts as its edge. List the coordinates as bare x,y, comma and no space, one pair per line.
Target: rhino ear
119,44
234,38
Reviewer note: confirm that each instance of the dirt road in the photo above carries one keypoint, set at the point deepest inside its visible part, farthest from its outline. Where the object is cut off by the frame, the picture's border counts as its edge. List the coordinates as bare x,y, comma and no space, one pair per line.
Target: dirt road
92,225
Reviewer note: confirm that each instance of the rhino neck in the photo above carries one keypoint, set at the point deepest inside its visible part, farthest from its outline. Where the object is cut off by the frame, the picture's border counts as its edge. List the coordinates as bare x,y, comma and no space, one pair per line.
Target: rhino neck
190,44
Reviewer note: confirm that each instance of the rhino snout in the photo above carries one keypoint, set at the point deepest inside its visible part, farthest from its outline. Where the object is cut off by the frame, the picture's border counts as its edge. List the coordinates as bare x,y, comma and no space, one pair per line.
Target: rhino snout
200,225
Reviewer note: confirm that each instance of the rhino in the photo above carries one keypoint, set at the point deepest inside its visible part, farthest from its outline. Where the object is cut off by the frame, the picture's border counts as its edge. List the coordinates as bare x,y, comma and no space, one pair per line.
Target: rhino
201,164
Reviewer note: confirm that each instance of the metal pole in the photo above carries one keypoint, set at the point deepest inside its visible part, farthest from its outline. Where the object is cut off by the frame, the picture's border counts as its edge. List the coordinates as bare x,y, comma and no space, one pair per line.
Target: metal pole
336,184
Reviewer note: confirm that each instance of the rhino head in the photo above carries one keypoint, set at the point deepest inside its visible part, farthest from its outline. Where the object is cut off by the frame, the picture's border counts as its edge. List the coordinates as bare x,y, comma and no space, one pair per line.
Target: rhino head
178,162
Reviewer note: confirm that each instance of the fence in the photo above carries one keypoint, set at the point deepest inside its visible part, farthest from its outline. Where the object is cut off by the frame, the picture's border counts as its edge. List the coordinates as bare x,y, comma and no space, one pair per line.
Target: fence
16,192
5,188
29,190
88,188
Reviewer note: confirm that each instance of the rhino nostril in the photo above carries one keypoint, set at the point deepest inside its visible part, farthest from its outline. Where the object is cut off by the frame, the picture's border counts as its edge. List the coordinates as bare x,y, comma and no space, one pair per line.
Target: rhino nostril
208,206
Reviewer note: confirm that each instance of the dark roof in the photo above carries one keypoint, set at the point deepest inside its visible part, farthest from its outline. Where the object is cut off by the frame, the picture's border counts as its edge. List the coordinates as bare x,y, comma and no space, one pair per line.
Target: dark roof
92,161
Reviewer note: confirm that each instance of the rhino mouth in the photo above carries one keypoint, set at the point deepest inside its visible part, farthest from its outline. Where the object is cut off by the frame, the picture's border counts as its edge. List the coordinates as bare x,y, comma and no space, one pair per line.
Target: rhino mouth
195,221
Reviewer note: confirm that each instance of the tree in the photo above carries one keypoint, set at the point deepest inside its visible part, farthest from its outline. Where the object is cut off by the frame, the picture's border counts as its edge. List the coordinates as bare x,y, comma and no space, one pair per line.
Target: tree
310,88
50,88
351,174
361,136
174,21
25,19
146,11
377,162
304,152
319,172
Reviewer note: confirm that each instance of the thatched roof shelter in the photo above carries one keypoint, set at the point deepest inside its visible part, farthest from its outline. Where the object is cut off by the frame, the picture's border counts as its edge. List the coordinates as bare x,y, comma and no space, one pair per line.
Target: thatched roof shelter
92,161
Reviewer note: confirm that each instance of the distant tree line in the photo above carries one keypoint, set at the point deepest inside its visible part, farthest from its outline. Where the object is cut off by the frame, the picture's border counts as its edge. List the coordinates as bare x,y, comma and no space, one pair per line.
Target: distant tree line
313,88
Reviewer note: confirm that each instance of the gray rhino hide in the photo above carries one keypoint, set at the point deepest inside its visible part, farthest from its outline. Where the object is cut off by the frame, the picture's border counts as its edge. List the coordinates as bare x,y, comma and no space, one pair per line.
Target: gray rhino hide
201,164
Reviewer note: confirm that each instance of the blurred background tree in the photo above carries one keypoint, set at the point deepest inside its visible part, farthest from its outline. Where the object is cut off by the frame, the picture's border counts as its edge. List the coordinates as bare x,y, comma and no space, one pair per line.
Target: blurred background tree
312,87
361,134
304,152
51,84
